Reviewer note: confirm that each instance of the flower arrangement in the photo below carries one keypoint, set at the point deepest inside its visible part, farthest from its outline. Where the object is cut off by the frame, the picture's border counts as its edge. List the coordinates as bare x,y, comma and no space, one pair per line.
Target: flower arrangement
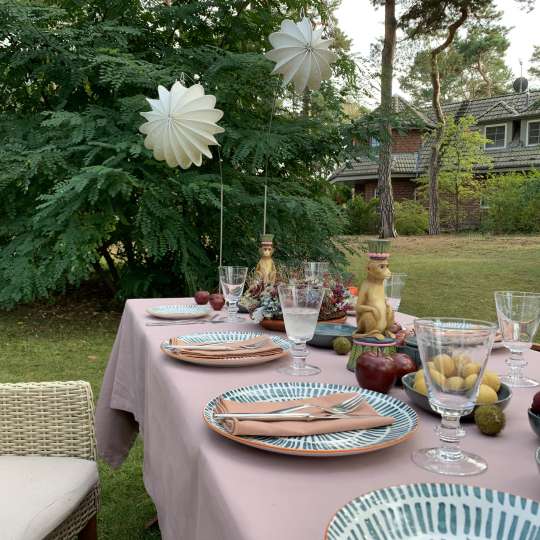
263,301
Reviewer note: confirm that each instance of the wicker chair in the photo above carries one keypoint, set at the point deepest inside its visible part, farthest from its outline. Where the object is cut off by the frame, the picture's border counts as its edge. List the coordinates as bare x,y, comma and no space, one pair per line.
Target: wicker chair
54,419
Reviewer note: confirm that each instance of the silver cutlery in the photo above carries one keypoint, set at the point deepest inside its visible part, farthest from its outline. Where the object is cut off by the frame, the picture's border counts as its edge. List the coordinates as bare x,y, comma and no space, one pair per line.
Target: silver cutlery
344,407
218,347
213,320
278,417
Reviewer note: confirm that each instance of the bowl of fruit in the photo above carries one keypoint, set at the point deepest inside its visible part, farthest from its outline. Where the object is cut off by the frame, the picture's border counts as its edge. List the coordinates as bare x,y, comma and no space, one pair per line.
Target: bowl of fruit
534,414
457,372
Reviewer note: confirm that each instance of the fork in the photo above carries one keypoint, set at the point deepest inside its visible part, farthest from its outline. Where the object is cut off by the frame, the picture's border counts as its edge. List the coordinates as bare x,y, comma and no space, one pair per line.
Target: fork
344,407
214,320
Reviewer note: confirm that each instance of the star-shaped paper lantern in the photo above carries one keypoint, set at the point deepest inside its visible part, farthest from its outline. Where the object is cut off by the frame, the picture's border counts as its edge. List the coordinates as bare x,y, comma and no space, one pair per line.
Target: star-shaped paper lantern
181,125
301,55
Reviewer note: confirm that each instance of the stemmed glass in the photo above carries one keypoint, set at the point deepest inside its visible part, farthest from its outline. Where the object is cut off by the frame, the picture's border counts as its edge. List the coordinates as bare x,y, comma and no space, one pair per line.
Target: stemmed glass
447,347
232,279
393,286
300,305
519,317
314,271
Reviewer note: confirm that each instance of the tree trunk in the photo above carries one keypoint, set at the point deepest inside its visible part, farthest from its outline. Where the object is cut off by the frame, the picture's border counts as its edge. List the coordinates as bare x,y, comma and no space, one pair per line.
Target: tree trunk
387,228
434,161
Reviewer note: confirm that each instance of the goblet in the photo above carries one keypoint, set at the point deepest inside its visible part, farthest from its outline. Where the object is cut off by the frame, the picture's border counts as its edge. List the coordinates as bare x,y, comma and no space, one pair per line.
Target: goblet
393,286
451,350
519,317
314,271
232,279
300,305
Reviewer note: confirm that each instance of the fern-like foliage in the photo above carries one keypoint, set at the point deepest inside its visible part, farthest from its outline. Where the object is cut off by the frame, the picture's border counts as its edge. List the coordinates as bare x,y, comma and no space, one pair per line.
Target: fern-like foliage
80,194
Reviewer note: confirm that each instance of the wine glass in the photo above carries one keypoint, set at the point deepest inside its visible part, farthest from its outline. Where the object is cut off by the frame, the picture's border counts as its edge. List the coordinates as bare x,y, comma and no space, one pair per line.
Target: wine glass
314,271
519,317
452,352
300,305
393,286
232,279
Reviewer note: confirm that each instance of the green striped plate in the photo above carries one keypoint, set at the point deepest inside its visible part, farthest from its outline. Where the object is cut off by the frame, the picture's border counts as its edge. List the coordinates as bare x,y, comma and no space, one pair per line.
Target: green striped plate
436,512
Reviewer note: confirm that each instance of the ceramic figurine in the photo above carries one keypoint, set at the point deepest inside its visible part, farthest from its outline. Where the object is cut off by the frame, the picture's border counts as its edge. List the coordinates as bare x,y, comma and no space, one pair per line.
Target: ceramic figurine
374,316
266,269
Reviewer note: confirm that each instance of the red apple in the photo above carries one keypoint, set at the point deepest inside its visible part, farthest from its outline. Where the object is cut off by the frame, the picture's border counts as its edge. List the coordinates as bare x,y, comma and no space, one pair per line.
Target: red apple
535,407
217,301
201,297
375,372
403,364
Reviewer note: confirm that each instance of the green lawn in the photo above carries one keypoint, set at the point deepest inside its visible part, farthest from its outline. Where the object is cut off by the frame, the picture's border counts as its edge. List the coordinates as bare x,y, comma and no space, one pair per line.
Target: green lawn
452,276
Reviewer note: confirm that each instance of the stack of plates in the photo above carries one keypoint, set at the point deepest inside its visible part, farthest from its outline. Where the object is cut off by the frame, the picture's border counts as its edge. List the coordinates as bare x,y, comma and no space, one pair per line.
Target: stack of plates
178,311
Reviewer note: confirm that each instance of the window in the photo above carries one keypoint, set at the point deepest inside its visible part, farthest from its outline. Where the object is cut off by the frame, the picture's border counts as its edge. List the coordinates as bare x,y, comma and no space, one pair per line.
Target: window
374,142
533,132
496,135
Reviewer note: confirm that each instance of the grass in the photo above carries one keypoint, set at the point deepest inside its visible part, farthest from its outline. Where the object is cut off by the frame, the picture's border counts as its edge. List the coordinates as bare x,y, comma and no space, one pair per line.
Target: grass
72,339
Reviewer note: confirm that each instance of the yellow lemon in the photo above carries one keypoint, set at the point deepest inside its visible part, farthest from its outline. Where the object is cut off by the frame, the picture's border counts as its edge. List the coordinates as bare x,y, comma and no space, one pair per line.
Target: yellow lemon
419,376
437,377
444,364
454,384
471,368
491,379
470,381
460,361
420,386
486,395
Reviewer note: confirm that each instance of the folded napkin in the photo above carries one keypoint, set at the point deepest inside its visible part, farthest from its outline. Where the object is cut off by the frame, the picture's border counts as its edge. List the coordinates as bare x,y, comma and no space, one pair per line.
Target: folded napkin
365,417
264,347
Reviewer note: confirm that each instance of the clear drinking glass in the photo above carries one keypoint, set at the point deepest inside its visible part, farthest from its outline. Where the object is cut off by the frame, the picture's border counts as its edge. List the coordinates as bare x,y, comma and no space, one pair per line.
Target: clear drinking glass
393,286
519,317
314,271
447,347
300,305
232,279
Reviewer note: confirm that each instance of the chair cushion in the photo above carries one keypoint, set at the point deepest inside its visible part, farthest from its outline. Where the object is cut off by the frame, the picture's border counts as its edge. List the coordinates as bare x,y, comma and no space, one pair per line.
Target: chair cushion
38,493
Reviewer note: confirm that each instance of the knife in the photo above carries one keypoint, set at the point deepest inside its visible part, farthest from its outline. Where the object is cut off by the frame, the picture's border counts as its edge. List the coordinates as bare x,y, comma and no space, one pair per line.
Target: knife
295,417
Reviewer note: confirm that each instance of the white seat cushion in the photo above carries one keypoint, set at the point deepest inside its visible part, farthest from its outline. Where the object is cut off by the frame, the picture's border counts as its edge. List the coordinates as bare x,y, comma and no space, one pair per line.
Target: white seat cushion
38,493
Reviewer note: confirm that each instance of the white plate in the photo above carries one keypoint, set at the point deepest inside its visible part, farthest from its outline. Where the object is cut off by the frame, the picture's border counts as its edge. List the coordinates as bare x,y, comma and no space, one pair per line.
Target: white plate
178,311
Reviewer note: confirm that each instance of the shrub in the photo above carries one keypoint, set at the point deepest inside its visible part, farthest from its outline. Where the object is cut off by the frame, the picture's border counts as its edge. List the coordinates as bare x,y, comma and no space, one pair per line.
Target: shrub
513,202
362,216
411,218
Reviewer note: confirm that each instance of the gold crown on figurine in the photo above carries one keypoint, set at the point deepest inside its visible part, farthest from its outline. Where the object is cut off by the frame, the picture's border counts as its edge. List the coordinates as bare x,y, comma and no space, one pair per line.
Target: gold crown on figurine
267,240
379,249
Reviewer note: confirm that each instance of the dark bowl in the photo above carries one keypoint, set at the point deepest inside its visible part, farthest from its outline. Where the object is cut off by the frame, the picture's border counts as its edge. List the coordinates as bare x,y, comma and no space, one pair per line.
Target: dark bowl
534,420
422,401
325,333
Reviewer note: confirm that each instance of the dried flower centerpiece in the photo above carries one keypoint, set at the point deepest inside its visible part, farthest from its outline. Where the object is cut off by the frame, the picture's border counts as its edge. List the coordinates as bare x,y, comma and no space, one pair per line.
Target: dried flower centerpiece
262,301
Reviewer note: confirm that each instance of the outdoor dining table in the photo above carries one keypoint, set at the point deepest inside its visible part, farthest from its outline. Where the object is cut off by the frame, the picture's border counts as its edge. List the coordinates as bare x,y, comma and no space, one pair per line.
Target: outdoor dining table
207,487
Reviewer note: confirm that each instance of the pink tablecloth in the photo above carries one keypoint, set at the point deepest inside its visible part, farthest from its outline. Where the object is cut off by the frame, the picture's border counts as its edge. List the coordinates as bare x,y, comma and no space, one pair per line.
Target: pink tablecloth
205,486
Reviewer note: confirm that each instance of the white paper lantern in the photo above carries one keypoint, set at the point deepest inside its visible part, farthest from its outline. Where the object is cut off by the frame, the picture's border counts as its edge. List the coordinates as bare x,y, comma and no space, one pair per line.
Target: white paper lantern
181,125
301,55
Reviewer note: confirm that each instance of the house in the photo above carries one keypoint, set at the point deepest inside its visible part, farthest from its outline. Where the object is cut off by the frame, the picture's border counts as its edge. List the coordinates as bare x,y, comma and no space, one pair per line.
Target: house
511,122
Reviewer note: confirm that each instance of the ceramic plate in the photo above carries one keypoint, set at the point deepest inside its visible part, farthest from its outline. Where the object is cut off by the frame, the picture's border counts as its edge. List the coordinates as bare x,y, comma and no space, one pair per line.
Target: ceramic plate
328,444
436,512
177,311
504,394
284,344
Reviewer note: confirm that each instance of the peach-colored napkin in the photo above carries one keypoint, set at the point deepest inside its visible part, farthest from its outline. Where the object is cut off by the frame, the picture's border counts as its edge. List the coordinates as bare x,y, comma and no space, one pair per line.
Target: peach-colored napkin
365,417
265,347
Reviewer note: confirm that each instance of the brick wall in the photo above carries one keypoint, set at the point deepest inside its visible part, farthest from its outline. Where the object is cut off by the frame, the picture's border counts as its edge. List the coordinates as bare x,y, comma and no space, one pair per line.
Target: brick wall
407,142
403,188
